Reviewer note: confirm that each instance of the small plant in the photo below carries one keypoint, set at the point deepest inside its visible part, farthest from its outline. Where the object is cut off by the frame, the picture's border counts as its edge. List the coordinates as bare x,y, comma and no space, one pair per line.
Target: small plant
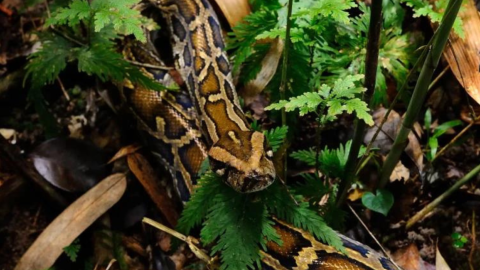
459,240
432,146
239,224
72,250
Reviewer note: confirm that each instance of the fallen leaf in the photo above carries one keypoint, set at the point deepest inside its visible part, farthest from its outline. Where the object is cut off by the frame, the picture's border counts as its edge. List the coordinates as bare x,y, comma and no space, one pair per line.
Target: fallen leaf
269,66
355,194
408,258
234,10
387,135
148,178
380,202
70,164
400,172
125,151
440,262
462,54
43,253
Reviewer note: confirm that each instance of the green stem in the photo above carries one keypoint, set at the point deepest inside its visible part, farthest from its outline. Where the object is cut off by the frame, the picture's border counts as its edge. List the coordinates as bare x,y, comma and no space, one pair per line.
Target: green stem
283,82
427,209
371,64
420,91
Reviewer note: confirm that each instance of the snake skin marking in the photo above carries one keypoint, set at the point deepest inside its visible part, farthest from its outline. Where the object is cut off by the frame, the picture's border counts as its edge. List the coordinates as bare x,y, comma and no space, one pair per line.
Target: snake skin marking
242,158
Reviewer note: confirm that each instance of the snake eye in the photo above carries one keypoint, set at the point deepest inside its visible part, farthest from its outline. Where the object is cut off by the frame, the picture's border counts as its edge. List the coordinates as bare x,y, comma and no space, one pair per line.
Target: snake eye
270,153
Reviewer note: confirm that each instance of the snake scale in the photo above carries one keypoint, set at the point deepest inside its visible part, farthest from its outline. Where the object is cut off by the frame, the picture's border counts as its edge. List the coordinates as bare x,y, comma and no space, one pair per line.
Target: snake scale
206,120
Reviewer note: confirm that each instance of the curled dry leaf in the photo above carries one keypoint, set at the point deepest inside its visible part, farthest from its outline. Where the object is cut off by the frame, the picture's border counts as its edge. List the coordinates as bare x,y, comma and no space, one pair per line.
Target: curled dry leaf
70,164
72,222
269,66
390,129
234,10
148,178
463,54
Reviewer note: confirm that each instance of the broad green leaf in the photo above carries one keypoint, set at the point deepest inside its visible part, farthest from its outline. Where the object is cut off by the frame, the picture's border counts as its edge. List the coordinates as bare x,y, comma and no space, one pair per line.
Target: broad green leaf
380,202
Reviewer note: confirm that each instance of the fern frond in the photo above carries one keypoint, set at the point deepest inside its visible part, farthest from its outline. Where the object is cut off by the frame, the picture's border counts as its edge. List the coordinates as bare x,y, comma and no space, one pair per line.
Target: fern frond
276,136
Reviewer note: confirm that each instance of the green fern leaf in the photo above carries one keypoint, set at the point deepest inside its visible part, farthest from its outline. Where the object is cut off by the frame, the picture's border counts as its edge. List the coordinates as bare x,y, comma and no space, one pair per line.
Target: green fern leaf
276,136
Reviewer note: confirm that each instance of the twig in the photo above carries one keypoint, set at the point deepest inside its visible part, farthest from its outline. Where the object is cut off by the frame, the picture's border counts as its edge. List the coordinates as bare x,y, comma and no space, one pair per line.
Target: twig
63,89
371,63
427,209
371,235
191,242
456,138
148,65
474,240
421,88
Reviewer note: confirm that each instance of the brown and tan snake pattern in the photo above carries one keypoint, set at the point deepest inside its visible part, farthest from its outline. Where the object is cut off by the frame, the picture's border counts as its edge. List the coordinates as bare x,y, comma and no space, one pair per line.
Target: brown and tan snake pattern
171,122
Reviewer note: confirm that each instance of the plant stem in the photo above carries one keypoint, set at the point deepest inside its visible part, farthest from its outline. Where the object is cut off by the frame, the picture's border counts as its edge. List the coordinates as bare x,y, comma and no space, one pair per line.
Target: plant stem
421,89
371,63
427,209
283,82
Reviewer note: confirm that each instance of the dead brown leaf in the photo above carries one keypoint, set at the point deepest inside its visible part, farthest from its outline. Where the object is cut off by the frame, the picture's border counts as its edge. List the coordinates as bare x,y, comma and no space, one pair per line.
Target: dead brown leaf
400,173
72,222
409,258
234,10
125,151
148,178
390,129
462,55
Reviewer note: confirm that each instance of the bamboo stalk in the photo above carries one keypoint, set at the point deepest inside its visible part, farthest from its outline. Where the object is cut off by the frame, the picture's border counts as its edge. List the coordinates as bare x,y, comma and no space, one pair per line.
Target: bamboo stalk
371,63
420,91
427,209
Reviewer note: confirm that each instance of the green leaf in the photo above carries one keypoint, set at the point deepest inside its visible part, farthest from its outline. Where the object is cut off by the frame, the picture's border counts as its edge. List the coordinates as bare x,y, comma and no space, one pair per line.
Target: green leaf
72,250
428,119
276,136
440,130
380,203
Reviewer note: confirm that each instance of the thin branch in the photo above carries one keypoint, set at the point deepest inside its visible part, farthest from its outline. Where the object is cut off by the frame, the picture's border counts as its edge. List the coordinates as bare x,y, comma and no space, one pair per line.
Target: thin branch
371,64
373,236
145,65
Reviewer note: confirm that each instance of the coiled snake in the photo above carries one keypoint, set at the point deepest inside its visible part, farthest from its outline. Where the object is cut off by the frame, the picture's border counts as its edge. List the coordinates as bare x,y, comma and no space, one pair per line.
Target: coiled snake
170,123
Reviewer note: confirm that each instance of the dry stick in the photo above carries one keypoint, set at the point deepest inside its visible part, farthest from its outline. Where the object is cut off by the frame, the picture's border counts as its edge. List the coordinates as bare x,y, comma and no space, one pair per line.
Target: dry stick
456,138
135,63
371,235
371,63
474,236
420,91
427,209
187,239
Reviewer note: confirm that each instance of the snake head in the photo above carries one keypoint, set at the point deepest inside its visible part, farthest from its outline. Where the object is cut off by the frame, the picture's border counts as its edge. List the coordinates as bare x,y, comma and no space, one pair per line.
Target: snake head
243,161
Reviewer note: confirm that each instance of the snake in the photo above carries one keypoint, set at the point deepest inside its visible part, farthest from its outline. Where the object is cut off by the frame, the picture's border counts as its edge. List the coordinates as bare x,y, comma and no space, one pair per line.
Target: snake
205,120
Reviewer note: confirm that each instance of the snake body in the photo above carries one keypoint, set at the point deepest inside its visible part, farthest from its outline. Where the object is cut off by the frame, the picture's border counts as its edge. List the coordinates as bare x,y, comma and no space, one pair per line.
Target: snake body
171,125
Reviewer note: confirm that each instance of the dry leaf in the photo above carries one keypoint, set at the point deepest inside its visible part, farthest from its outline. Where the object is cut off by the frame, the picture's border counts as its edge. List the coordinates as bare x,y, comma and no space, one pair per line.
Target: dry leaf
463,55
234,10
400,173
148,178
269,66
355,194
409,258
43,253
125,151
440,262
390,129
